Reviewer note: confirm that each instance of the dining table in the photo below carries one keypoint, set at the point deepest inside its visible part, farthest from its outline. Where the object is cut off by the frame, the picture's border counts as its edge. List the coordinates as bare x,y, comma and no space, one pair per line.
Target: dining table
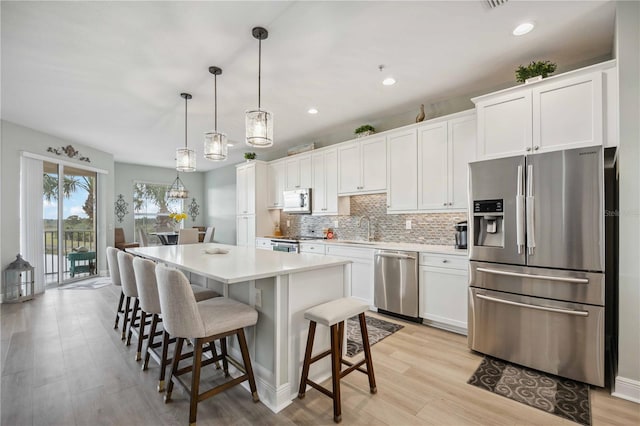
169,238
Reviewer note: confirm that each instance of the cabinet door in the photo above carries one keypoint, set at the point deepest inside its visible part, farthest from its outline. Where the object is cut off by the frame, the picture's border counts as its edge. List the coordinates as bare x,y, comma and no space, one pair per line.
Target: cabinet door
241,190
568,114
462,145
250,188
349,168
402,169
242,234
251,230
319,203
374,164
275,176
432,167
331,181
292,174
304,172
443,297
362,280
504,125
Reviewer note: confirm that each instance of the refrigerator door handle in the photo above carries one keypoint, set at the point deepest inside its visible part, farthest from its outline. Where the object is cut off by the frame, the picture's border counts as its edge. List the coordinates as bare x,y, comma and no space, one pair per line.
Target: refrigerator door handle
537,307
531,241
535,277
520,212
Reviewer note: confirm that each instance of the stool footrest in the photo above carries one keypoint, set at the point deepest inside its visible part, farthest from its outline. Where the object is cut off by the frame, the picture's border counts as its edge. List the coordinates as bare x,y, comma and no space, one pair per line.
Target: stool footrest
320,388
352,367
320,356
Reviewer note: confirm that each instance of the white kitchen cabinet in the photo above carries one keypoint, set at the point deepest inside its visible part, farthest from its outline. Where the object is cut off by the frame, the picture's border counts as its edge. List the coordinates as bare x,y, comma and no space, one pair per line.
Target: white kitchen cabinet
402,168
571,110
324,165
461,138
246,230
252,215
275,185
443,285
313,248
263,244
361,269
362,166
298,172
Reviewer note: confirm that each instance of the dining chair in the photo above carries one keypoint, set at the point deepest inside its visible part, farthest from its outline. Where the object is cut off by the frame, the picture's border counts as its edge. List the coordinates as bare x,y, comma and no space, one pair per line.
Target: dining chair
143,238
188,236
114,273
203,322
120,240
208,235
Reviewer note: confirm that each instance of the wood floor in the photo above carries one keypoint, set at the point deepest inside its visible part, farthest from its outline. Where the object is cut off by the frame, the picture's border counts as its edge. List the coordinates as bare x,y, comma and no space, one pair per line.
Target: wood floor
63,364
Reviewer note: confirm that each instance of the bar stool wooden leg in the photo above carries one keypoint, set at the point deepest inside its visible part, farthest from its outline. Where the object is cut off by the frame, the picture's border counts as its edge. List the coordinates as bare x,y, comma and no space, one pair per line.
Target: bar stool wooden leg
307,360
150,342
242,341
125,318
214,353
132,320
164,360
225,363
119,311
195,380
335,372
143,319
367,353
174,368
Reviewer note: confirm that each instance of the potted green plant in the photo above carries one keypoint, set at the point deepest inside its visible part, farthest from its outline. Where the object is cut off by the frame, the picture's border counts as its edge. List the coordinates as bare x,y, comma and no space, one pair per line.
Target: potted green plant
539,69
249,156
364,130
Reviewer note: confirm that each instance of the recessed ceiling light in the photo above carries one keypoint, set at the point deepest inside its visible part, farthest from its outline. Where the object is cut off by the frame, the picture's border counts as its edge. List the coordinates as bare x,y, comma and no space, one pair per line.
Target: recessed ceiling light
523,29
312,111
389,81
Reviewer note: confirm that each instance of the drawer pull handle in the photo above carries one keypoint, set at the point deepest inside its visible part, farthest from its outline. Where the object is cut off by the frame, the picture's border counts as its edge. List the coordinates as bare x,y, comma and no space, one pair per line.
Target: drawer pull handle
539,308
535,277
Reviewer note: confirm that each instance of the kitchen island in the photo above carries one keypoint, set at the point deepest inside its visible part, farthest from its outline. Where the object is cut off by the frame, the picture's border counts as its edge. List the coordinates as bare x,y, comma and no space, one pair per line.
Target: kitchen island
281,287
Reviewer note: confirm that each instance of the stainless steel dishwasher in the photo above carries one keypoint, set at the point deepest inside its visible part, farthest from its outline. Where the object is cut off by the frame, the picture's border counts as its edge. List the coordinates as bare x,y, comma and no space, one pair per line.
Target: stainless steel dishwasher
396,283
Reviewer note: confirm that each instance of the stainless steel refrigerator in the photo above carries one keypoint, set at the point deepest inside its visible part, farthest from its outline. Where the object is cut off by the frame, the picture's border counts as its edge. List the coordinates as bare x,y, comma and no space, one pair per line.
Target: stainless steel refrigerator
536,241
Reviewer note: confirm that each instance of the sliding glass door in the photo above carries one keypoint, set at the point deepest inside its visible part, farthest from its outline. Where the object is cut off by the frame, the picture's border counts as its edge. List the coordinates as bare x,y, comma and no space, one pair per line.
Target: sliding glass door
69,223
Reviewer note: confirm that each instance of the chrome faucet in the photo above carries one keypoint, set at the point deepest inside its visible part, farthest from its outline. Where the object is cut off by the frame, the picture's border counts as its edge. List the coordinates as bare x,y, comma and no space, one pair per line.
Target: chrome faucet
369,236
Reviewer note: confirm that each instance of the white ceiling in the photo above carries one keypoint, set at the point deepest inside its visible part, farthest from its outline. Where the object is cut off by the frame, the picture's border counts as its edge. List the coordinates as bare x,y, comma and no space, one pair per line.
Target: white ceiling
109,74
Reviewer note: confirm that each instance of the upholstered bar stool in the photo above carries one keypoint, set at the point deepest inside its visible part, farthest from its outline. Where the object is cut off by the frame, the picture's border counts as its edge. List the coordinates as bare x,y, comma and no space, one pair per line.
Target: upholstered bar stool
145,275
333,314
130,289
204,322
114,272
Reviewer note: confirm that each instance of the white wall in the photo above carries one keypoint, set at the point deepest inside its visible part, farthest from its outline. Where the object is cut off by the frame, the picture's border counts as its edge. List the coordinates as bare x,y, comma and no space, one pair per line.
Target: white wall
127,174
16,139
628,56
220,209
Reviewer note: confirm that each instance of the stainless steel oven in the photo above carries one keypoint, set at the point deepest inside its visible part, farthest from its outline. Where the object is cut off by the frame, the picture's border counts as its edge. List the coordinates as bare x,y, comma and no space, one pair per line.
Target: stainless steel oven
289,246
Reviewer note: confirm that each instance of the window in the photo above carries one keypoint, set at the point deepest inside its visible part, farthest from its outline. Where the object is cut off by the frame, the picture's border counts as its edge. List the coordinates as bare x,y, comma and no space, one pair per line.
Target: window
152,207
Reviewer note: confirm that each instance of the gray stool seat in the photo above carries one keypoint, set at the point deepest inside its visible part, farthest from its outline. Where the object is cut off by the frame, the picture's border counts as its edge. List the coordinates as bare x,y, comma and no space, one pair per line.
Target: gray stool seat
333,315
202,293
336,311
220,315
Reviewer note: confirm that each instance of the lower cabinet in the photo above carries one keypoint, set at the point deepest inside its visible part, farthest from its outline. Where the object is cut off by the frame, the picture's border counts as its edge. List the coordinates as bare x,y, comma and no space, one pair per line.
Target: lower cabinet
361,270
443,292
246,230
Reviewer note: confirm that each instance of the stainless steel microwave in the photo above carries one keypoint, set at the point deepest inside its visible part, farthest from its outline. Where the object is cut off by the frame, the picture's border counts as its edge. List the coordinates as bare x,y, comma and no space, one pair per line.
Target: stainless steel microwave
297,201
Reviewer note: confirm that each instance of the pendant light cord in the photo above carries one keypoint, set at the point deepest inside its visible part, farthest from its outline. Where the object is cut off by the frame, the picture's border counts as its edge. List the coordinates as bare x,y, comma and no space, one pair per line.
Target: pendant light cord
215,103
259,68
185,122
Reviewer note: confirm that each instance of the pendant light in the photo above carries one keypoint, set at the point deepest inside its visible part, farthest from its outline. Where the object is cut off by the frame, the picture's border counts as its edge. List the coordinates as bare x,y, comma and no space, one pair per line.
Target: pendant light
185,157
215,143
177,189
258,122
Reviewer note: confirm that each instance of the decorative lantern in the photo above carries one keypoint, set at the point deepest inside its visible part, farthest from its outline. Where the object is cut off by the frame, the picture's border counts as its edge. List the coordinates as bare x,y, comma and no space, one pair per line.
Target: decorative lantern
18,281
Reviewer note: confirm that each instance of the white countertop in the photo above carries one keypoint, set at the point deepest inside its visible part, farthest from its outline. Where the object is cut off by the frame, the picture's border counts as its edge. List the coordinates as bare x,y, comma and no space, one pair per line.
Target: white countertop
423,248
240,264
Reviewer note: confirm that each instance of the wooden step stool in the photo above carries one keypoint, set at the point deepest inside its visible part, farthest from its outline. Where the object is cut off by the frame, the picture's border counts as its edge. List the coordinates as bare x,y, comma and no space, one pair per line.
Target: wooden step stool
333,314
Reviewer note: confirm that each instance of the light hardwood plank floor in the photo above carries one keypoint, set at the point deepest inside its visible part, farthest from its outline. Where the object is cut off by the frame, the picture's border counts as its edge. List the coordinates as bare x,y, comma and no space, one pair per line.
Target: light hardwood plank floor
63,364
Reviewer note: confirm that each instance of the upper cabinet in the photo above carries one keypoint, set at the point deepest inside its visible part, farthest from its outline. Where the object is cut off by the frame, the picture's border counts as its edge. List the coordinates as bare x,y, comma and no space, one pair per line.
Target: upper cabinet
275,184
428,165
298,172
325,201
571,110
362,166
246,189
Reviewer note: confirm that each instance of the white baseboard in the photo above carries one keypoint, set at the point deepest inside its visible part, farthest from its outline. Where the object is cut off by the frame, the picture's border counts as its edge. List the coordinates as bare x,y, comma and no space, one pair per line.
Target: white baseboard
627,389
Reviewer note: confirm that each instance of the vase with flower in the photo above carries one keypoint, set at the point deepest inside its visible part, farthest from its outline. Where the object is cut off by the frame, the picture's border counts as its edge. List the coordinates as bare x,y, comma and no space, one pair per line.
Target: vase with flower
176,219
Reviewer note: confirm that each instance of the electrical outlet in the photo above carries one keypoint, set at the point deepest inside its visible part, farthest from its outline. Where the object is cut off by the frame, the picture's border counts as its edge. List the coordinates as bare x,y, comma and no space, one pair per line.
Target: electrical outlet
408,224
258,298
335,223
288,223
